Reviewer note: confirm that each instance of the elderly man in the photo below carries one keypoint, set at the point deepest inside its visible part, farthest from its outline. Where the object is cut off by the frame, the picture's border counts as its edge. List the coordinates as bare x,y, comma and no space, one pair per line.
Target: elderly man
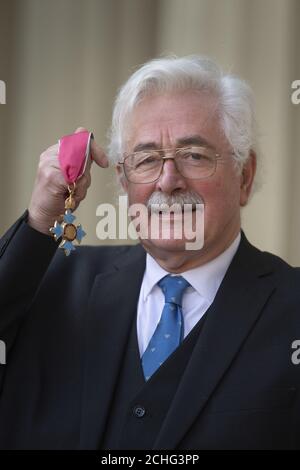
154,346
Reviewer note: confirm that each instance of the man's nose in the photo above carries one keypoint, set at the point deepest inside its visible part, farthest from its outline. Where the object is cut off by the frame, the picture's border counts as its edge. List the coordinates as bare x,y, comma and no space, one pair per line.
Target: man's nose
170,179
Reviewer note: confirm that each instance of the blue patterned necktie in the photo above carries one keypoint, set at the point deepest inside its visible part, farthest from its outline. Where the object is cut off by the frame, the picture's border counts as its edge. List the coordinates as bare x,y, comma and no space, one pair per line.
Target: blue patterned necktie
169,331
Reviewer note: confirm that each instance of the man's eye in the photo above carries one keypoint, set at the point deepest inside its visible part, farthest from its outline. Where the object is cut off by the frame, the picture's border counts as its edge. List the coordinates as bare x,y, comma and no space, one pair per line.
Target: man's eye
146,160
194,156
197,156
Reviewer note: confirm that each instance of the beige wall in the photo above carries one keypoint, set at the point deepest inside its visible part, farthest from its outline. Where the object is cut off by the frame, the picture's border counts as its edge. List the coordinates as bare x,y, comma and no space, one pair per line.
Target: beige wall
63,61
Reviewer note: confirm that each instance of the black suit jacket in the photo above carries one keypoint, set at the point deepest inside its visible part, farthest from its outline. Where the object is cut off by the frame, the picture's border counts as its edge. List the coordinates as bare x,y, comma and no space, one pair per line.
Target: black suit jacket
66,321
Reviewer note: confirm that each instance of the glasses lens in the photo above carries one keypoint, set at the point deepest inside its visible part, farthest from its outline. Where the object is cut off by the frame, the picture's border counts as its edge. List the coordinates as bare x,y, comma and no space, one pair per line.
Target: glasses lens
196,162
143,167
191,162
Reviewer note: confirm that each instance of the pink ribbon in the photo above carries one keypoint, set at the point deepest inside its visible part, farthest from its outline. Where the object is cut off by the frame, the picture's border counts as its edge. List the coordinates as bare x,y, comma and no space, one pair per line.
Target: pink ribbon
73,154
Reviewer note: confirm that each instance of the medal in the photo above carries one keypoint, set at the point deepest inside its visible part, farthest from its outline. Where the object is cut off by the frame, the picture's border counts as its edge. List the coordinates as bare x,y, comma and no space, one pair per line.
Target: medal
73,155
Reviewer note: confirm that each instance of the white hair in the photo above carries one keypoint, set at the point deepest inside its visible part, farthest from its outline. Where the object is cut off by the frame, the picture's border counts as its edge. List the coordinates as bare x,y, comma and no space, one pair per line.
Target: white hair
170,74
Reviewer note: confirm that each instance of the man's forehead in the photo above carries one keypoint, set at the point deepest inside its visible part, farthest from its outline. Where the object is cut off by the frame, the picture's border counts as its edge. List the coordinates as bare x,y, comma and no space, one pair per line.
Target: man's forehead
173,120
188,140
168,108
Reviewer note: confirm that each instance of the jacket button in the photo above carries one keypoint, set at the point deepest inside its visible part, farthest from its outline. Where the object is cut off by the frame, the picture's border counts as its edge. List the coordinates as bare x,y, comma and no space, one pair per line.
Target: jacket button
139,411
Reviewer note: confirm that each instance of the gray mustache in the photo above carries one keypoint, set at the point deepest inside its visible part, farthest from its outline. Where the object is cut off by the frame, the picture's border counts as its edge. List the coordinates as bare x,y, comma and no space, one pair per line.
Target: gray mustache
160,202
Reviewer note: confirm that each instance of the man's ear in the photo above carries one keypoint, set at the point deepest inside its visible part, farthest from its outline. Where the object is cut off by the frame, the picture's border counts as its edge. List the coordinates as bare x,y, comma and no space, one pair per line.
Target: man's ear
121,177
247,178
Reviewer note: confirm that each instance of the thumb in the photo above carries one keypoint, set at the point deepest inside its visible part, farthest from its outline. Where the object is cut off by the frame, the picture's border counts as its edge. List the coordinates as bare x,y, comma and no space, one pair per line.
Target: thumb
98,154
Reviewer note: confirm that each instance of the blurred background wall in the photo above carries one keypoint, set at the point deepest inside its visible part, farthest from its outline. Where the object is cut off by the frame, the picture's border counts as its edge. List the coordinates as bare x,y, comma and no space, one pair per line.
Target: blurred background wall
63,61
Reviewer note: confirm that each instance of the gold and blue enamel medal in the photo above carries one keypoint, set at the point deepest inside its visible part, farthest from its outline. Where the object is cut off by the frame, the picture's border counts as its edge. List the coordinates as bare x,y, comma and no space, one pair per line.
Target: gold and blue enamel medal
67,230
73,155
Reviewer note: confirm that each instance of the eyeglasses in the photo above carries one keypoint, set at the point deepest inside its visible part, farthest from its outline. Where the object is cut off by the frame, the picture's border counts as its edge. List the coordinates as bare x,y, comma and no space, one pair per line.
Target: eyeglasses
145,166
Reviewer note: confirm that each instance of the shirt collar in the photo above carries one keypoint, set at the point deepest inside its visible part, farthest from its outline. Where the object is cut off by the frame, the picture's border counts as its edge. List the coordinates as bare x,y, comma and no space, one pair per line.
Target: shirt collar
204,279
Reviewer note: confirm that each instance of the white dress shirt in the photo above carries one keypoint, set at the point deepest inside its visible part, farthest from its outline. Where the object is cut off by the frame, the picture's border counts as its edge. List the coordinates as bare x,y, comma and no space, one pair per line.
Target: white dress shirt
204,280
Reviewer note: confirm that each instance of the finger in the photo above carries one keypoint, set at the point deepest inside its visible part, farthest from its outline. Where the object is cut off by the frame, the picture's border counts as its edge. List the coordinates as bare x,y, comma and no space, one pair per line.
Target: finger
80,129
98,155
53,150
84,181
80,192
50,160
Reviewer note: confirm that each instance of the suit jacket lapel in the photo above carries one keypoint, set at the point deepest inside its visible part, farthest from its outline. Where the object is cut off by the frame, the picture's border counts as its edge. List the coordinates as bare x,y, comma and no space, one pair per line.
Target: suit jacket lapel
239,302
111,310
